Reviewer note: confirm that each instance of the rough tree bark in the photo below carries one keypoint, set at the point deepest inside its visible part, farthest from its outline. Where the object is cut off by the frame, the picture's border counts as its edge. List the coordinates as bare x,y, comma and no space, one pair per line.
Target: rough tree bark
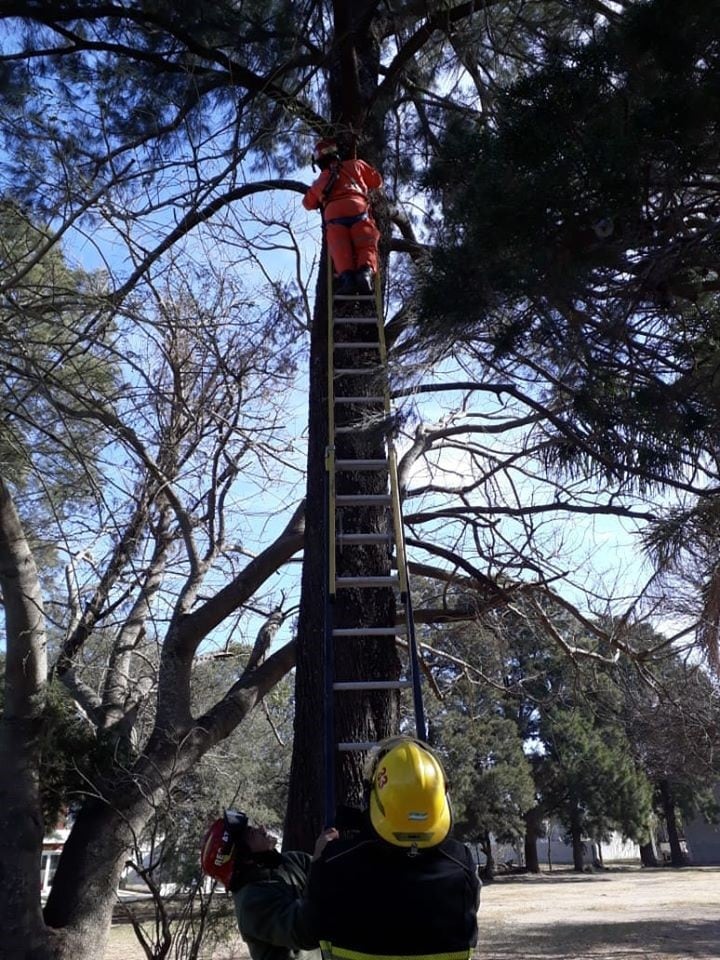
488,871
648,856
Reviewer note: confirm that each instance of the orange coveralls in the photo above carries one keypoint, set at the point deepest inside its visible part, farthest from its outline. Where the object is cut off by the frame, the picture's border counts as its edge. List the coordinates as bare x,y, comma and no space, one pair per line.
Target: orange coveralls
352,236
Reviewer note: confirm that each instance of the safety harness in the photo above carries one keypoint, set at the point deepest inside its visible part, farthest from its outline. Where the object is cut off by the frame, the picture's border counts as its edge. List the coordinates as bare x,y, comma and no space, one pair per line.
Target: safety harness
349,221
335,171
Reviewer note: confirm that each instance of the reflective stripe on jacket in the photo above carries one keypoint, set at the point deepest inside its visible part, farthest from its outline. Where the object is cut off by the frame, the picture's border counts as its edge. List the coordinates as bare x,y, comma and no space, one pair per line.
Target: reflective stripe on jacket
331,952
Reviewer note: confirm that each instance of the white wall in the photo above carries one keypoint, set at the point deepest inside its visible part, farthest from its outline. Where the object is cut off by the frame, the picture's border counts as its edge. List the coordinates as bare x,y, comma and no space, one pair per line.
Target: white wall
560,853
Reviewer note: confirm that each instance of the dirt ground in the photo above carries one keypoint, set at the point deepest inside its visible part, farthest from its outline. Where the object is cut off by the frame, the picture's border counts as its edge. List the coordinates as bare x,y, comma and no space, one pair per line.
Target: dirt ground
615,915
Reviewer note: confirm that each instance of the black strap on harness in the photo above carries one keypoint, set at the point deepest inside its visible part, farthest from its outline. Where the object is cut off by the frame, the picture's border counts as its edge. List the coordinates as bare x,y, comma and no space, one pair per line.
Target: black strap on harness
335,171
330,185
349,221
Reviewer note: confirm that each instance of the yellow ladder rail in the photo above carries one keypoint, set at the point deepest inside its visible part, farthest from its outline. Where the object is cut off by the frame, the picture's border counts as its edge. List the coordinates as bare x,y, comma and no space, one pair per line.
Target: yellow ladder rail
398,530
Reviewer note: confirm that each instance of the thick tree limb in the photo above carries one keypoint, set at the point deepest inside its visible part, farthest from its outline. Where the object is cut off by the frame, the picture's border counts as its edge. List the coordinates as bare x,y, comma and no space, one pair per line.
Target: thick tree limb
224,717
266,635
194,626
436,22
195,217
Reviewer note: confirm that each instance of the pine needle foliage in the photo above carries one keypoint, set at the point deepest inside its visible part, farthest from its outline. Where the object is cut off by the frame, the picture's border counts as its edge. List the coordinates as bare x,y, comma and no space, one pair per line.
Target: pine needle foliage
580,235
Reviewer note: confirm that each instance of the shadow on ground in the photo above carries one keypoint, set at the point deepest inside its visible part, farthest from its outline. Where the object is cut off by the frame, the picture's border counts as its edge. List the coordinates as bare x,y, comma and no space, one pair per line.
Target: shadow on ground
603,941
567,875
545,878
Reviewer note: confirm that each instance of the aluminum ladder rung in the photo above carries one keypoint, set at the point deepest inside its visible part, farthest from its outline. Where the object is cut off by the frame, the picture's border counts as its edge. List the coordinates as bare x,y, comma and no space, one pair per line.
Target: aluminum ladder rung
358,345
360,465
346,320
356,745
384,581
355,539
372,684
356,371
353,296
363,500
359,399
397,631
357,427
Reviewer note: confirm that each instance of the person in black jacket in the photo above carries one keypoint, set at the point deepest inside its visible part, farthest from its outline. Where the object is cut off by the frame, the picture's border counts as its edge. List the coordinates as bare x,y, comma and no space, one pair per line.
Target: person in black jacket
401,887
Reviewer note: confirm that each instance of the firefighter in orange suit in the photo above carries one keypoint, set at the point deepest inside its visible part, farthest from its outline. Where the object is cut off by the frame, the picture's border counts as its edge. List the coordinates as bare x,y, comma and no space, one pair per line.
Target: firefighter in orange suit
341,192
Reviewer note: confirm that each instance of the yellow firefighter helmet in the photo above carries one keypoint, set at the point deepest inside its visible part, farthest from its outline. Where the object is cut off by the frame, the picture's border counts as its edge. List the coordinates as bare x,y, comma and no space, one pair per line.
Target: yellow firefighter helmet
408,794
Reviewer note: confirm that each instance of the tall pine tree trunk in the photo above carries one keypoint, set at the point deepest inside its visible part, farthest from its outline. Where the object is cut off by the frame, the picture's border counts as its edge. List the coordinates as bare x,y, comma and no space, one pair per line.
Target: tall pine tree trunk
358,716
304,813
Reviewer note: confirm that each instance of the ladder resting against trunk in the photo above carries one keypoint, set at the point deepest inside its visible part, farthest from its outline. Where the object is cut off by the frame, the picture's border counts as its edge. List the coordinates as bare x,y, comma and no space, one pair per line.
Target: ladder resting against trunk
359,400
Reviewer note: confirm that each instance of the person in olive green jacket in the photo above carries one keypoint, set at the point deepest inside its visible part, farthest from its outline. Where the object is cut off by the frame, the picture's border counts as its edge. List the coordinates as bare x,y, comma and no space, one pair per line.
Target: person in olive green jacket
267,888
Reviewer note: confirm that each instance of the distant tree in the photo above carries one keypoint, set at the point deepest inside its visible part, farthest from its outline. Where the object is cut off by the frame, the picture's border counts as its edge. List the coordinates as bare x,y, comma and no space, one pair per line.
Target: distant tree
507,670
491,783
589,780
526,664
673,727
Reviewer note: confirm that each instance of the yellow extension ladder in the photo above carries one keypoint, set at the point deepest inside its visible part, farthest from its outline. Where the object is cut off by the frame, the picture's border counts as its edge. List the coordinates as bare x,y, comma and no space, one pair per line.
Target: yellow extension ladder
359,399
